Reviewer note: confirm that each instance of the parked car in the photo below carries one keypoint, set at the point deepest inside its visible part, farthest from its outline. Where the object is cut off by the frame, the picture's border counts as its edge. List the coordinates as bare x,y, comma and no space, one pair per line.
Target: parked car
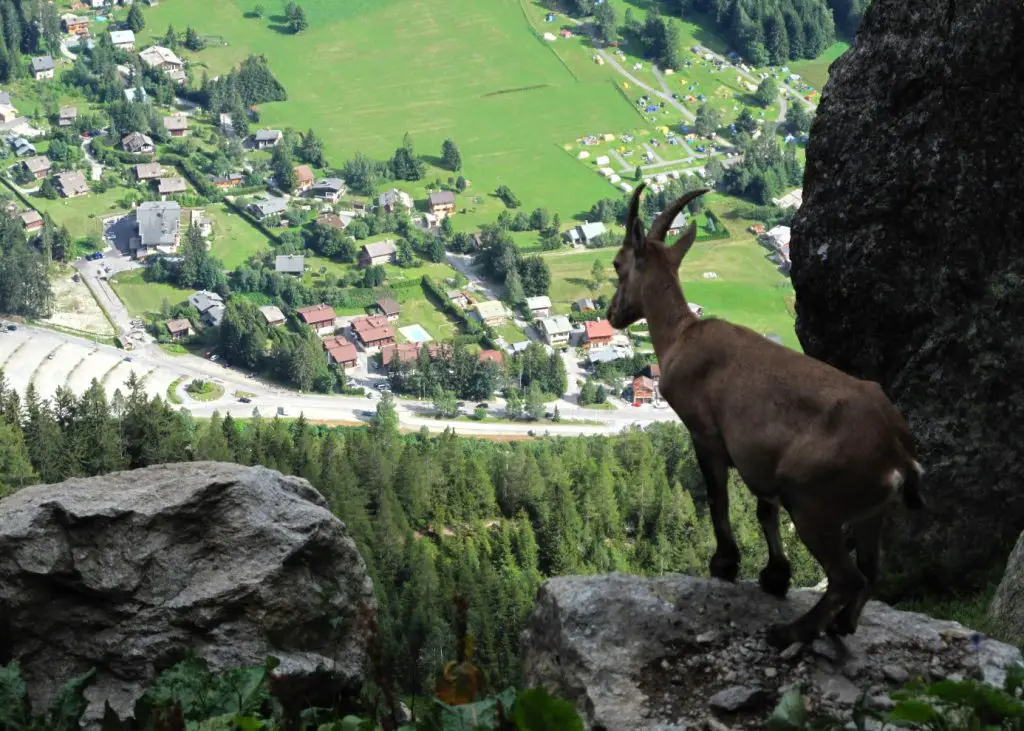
281,411
95,256
12,328
245,400
483,406
383,386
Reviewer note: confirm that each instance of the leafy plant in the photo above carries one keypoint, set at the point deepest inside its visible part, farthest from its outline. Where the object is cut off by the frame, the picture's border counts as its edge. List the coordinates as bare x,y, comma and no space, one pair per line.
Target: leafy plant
65,710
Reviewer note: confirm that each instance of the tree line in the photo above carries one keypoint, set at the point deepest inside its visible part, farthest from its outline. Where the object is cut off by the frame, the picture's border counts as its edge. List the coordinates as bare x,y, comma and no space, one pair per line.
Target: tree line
434,516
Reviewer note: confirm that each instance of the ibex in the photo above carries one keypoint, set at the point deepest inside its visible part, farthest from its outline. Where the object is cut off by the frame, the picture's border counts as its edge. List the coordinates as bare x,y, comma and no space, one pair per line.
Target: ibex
829,448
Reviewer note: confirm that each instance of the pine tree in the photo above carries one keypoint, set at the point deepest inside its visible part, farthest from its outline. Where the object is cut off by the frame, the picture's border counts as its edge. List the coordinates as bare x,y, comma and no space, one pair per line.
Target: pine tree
451,158
284,169
15,466
135,19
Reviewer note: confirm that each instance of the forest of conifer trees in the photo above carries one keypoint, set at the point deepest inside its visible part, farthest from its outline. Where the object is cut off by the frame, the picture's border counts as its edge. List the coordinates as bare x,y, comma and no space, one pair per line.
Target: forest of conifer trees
436,517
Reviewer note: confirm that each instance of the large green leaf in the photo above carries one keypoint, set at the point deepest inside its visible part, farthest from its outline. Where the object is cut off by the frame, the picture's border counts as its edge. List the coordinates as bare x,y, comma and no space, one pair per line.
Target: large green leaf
69,704
536,710
790,713
913,711
469,716
15,713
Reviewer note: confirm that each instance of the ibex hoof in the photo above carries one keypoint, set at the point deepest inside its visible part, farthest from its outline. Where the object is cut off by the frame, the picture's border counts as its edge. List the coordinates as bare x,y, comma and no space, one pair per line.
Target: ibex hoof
841,626
780,636
774,579
725,568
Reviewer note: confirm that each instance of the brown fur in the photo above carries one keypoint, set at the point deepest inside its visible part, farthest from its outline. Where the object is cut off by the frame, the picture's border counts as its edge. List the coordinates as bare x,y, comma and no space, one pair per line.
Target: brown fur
830,448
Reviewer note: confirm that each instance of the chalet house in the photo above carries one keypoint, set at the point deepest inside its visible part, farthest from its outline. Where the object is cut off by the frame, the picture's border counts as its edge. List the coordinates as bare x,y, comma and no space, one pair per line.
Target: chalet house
171,186
491,313
67,116
389,308
42,67
380,252
31,221
777,236
38,167
23,147
210,306
8,113
394,200
180,328
176,125
598,332
677,223
266,138
164,59
584,304
76,24
555,330
303,178
457,298
138,144
149,171
441,203
491,356
230,180
333,220
402,353
643,390
269,207
273,315
539,306
373,331
123,39
71,184
341,351
584,233
158,228
328,189
294,264
319,317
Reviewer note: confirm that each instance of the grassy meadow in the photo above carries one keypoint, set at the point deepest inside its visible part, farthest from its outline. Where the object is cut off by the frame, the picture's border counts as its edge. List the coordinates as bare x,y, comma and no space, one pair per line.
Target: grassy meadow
142,297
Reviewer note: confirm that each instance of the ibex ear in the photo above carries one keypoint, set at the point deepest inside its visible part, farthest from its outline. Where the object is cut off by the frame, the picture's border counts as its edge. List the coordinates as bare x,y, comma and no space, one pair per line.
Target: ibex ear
638,238
680,248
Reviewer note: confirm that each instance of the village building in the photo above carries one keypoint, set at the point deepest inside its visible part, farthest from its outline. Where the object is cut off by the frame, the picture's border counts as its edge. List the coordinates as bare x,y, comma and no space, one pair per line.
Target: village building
31,220
303,178
643,390
328,189
373,331
231,180
67,116
138,144
389,308
585,233
164,59
757,229
793,199
555,330
197,218
457,298
539,306
77,24
491,312
266,138
441,203
319,317
777,236
176,125
492,356
269,207
136,94
598,332
210,306
157,228
437,350
171,186
584,304
294,264
677,223
179,329
273,315
71,184
379,252
394,200
402,353
123,40
42,67
654,373
332,220
38,167
8,113
607,354
341,351
23,147
149,171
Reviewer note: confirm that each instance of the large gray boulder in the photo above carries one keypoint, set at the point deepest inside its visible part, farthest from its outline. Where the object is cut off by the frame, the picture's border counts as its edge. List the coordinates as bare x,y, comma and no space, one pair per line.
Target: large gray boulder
908,266
1007,610
123,572
678,652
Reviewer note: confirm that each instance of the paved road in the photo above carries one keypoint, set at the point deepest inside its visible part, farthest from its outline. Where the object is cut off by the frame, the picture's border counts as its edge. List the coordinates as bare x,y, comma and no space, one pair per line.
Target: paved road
76,362
94,275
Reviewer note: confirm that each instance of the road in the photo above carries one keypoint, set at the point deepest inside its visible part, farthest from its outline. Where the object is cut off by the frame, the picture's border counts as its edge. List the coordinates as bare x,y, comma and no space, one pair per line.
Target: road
25,357
94,275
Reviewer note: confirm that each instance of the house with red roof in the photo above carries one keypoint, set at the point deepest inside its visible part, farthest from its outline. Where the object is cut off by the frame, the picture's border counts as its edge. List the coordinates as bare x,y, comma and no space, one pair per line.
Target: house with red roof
402,353
319,317
340,350
598,332
373,331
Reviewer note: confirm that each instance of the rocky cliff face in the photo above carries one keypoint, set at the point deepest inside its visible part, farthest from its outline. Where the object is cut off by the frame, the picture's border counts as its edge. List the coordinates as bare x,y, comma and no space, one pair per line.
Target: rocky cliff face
1007,610
678,652
908,266
123,572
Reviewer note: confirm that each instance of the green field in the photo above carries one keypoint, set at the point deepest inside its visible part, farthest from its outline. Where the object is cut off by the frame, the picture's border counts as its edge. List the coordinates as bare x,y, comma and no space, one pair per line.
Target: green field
142,297
82,215
234,239
479,74
815,72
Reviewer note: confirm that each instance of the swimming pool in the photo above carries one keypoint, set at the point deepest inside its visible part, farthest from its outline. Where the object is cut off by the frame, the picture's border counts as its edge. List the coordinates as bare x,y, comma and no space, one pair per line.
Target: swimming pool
415,334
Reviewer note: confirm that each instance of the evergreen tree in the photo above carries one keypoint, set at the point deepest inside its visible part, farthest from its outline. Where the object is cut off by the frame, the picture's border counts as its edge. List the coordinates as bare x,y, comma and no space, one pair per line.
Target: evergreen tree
193,41
297,22
513,287
451,158
284,169
767,92
15,466
136,21
312,149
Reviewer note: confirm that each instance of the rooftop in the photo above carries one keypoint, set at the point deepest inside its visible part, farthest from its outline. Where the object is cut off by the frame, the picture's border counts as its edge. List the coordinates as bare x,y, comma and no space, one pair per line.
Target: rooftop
491,308
557,325
272,313
72,183
175,122
380,248
42,63
121,37
158,56
388,306
441,198
172,185
204,300
316,313
303,174
180,325
159,223
538,303
290,264
341,349
599,329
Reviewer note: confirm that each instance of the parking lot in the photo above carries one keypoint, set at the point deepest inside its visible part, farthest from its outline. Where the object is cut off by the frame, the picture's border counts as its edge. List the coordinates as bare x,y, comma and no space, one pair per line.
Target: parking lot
49,361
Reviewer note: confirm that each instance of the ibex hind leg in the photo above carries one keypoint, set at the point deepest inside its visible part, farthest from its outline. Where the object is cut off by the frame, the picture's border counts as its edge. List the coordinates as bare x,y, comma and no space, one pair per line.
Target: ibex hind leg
868,540
714,465
775,577
821,532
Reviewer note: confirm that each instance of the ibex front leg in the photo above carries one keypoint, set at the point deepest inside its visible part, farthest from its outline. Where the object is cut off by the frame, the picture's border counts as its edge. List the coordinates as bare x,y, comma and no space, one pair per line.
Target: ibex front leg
714,465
